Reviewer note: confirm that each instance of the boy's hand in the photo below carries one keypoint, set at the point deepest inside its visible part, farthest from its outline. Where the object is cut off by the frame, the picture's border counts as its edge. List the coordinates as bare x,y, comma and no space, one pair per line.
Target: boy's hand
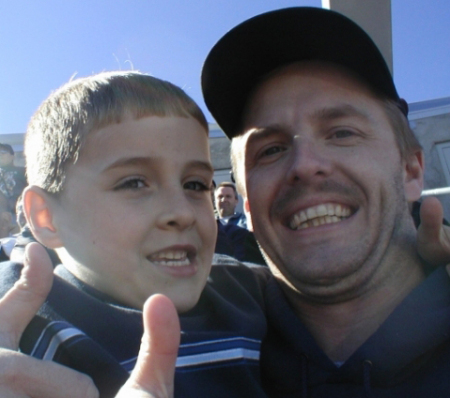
22,376
433,236
153,376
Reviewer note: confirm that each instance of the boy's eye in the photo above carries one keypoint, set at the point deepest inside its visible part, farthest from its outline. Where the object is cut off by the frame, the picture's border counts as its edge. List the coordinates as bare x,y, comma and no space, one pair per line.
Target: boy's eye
132,184
196,186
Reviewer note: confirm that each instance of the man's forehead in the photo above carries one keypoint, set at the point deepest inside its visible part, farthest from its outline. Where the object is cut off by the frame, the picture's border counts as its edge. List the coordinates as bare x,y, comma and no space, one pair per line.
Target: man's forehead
314,69
224,190
301,82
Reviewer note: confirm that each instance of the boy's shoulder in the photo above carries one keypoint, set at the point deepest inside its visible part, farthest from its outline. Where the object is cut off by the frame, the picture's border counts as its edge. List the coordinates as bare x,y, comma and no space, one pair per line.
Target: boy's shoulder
9,274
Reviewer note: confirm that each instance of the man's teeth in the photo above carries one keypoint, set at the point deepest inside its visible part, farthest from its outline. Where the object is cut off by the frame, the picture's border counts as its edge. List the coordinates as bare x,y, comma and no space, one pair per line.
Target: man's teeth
171,258
319,215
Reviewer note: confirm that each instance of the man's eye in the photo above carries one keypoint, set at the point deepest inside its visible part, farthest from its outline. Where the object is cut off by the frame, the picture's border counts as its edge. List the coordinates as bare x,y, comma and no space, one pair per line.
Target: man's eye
196,186
273,150
131,184
342,134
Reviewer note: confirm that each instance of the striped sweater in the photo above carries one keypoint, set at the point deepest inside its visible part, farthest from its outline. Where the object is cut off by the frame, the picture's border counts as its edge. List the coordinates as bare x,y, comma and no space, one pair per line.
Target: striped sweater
220,343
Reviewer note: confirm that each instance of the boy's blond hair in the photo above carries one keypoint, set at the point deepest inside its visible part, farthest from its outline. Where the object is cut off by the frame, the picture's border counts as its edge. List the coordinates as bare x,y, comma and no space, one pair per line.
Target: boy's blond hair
58,129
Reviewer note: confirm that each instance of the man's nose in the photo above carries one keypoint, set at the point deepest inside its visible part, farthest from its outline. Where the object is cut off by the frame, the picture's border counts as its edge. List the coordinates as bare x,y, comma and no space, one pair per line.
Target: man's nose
308,161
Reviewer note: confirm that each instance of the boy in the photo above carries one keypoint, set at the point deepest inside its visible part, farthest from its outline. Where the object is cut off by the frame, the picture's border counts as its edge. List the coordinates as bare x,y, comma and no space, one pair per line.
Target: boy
119,172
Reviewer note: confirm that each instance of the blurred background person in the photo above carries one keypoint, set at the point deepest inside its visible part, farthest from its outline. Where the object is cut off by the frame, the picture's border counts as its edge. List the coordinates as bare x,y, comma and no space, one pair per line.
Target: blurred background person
226,200
12,178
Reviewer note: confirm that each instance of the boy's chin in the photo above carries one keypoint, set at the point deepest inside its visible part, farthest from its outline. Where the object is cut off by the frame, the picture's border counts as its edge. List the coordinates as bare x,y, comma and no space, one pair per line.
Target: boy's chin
184,305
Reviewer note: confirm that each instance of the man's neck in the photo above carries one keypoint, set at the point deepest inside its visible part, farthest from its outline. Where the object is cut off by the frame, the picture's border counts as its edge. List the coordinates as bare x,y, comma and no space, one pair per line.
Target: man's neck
340,328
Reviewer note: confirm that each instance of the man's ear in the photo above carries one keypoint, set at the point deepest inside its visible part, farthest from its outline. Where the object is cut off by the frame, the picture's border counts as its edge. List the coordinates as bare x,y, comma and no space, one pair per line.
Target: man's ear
39,207
247,214
414,172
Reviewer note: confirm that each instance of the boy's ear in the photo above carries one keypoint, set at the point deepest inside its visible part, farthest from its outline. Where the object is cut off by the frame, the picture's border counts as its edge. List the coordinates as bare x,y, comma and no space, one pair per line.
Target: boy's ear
414,172
38,207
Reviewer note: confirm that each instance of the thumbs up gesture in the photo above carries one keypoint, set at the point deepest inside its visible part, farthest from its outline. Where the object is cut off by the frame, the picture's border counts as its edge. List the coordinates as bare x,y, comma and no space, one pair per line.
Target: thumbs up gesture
433,236
22,376
154,372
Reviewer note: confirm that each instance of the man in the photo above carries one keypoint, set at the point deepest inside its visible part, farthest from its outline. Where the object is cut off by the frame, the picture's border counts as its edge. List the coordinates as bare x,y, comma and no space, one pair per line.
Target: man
328,168
226,200
321,299
12,178
233,237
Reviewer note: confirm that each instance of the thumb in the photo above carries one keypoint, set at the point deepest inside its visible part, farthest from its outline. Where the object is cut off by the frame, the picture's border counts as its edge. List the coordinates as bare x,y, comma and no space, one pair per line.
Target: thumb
431,215
153,375
23,300
433,236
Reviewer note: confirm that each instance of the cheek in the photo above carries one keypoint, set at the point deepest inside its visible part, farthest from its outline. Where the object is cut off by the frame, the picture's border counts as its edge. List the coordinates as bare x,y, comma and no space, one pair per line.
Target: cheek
259,187
206,223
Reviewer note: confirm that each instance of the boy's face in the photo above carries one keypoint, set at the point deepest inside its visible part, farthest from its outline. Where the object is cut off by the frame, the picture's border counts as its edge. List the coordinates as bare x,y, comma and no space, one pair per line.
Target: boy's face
135,217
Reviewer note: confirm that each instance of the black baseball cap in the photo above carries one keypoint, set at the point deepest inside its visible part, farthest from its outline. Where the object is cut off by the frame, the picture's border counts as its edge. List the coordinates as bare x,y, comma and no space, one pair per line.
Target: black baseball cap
258,46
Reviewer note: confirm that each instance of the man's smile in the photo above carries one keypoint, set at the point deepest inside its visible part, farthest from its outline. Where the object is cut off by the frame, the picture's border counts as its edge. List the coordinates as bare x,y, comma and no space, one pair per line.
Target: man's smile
326,213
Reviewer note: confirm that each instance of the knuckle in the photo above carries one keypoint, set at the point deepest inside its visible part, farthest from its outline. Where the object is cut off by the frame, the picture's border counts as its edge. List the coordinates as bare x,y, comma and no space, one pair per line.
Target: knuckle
87,387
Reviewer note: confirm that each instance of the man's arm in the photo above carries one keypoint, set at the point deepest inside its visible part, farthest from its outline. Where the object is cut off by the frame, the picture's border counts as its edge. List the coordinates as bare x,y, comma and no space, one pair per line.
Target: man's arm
433,236
23,376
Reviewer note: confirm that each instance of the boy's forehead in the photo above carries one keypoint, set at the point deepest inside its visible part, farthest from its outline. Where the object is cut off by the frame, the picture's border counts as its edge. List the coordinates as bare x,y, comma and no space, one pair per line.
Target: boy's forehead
147,136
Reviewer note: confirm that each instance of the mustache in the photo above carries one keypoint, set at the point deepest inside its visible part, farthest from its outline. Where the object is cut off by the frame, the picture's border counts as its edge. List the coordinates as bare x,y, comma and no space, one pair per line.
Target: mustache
299,191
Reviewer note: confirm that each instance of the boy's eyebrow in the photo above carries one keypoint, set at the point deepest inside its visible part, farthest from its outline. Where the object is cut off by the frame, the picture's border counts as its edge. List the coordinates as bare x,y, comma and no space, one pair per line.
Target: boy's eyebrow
146,161
127,161
199,164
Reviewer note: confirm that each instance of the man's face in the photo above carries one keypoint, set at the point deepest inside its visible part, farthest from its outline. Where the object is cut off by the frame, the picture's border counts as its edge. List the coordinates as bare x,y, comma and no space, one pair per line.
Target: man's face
324,181
136,216
5,158
226,201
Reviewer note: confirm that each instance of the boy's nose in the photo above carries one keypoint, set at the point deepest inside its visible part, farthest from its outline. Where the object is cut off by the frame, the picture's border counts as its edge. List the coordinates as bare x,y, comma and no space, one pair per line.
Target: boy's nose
177,212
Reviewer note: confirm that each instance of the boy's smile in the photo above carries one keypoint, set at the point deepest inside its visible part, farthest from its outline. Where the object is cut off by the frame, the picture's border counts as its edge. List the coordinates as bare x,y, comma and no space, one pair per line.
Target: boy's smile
136,217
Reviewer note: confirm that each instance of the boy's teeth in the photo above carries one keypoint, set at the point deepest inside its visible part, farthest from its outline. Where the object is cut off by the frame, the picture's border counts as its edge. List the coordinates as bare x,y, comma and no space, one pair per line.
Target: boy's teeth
319,215
176,258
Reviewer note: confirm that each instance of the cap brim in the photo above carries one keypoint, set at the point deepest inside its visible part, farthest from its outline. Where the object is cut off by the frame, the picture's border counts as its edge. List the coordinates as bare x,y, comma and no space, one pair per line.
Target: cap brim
266,42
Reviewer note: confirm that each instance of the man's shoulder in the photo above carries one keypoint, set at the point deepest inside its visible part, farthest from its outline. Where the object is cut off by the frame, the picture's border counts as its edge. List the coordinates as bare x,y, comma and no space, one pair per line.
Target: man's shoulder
238,219
228,271
234,265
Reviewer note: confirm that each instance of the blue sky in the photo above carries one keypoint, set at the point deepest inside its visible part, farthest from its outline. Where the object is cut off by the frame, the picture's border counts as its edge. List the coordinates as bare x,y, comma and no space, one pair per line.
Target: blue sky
44,42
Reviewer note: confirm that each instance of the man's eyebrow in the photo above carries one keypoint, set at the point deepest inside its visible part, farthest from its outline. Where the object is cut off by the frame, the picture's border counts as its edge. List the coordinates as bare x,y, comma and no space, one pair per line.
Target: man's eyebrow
338,112
261,133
